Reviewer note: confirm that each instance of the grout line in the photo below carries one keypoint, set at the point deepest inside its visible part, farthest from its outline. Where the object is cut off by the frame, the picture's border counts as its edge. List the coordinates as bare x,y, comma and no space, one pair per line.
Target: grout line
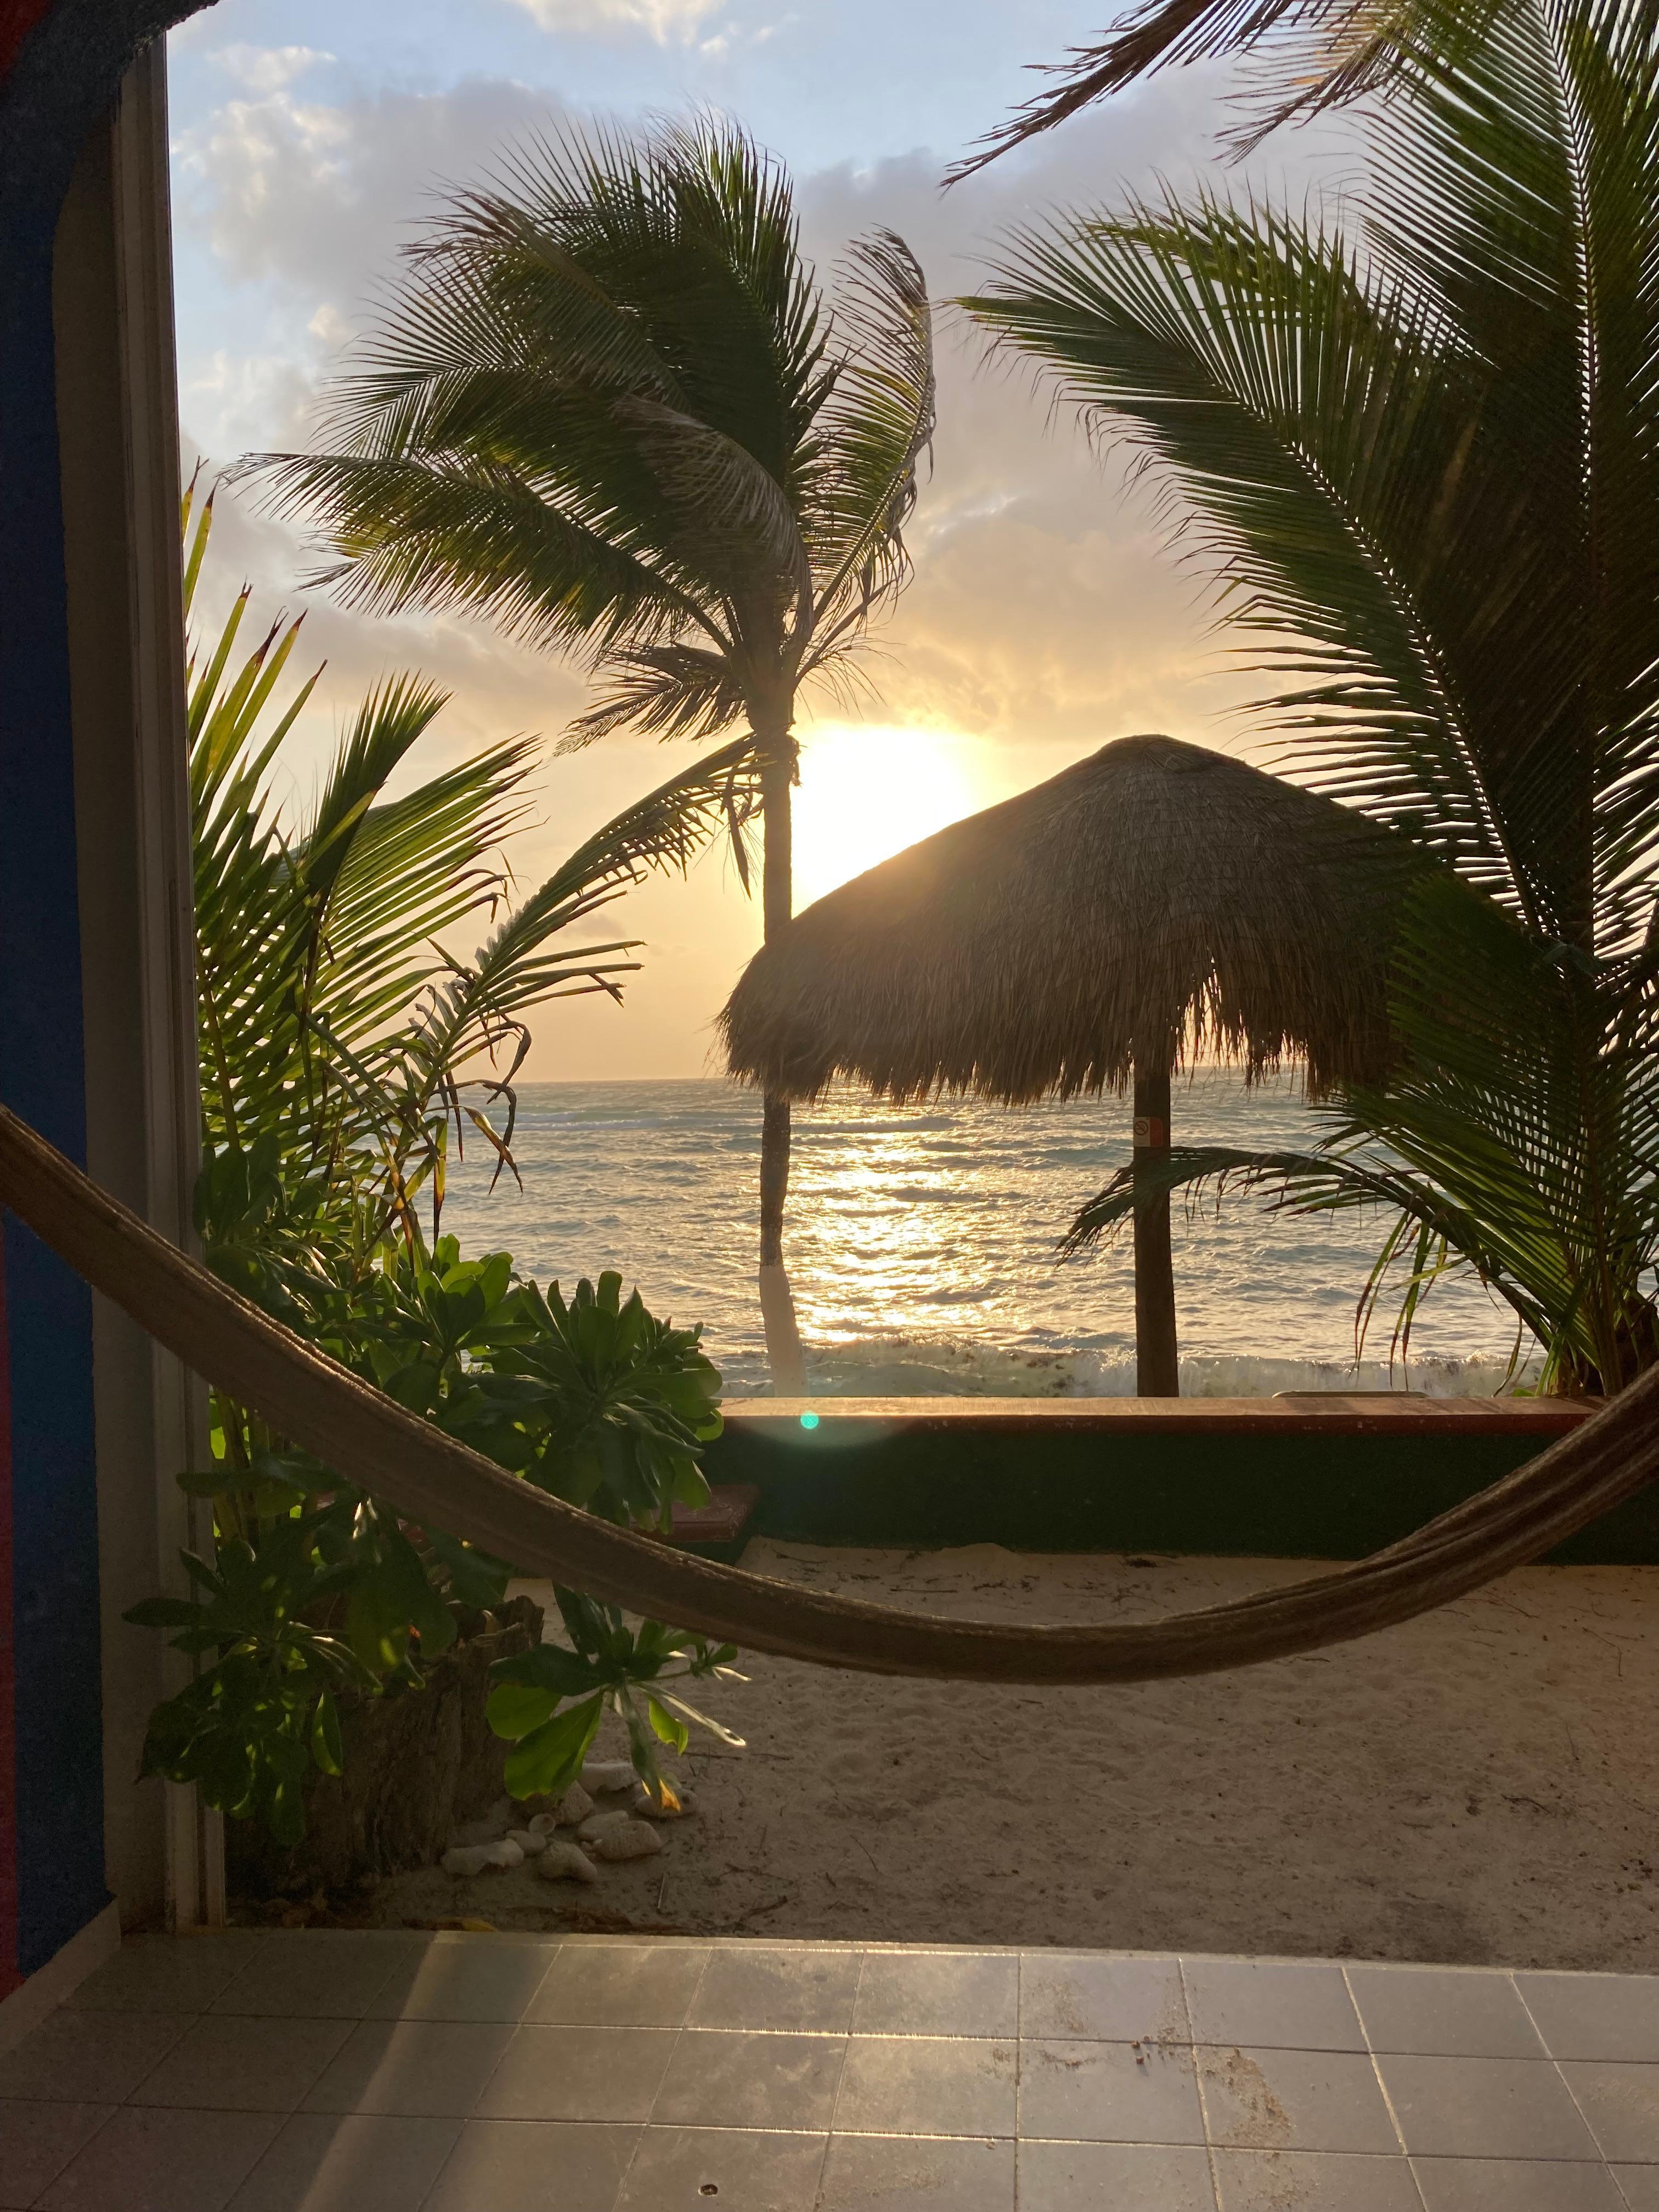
673,2048
846,2046
841,2077
75,2156
1589,2125
1019,2072
1383,2087
1197,2083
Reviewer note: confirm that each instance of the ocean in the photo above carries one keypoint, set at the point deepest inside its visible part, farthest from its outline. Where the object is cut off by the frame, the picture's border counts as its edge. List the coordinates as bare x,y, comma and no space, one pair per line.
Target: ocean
921,1243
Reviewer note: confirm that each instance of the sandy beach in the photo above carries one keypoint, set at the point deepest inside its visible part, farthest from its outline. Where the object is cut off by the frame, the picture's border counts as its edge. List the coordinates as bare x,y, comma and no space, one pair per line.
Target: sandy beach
1478,1786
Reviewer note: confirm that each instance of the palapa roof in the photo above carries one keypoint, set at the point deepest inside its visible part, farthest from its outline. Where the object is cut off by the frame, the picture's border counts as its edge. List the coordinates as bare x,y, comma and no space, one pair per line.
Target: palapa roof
1154,891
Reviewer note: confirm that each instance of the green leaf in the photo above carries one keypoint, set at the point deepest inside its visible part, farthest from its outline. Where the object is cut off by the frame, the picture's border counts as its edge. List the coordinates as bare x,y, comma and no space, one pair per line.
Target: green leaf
515,1710
327,1746
549,1758
668,1727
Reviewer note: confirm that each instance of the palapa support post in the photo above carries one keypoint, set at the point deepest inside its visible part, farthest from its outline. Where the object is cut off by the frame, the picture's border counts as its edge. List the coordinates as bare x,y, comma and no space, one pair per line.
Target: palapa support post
1157,1364
784,1354
1152,894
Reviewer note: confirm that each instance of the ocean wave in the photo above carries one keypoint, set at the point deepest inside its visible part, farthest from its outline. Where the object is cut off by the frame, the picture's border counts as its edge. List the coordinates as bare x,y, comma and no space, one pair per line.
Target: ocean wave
891,1367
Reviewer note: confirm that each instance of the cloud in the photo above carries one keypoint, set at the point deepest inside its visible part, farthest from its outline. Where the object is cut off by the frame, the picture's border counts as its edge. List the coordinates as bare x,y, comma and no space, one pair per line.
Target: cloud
267,68
663,21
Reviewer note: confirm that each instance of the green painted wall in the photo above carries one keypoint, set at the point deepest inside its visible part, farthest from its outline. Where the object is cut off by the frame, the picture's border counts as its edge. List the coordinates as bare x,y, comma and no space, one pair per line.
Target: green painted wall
1303,1496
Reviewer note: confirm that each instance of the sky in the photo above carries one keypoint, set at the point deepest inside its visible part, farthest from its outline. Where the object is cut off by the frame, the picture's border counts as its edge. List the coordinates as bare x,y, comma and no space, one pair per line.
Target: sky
1046,615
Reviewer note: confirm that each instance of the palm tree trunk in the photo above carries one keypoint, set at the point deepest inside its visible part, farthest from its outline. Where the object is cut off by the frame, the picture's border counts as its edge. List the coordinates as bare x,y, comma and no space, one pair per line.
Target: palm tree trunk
1158,1365
784,1354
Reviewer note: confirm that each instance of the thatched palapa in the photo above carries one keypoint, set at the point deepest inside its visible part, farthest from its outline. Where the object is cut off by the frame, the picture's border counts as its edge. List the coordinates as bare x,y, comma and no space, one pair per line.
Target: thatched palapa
1156,891
1152,904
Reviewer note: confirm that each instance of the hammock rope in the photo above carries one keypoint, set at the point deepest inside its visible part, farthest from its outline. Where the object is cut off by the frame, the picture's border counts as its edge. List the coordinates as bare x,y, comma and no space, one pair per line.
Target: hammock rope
378,1445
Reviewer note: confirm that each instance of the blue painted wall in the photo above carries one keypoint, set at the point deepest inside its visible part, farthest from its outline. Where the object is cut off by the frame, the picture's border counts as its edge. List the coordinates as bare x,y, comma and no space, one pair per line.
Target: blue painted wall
60,64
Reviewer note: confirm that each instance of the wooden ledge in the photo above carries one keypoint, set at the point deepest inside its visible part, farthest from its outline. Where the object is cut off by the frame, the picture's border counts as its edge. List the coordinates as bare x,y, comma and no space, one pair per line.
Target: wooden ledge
1333,1414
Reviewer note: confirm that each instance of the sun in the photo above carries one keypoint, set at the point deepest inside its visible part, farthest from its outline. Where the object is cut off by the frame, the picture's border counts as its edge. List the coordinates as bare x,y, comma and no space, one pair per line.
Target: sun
867,791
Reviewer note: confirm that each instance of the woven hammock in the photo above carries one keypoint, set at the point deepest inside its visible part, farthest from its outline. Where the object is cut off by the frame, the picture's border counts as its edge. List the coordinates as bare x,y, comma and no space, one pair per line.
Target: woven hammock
378,1445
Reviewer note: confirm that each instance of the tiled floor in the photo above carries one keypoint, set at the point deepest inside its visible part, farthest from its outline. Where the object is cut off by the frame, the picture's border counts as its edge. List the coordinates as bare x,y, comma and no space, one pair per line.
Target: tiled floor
388,2072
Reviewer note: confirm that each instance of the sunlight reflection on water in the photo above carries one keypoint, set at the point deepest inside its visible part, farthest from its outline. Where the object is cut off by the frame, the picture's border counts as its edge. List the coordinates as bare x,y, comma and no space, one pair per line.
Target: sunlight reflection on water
921,1244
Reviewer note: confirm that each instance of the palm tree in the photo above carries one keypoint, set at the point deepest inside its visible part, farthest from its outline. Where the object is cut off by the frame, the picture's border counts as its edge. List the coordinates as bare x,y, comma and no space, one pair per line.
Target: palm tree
1423,454
611,409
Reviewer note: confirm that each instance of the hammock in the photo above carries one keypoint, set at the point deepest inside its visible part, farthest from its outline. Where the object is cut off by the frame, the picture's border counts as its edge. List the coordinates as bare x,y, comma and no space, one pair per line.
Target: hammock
380,1446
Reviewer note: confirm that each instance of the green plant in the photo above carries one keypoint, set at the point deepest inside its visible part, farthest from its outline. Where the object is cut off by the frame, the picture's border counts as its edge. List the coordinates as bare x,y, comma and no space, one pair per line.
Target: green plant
343,1051
346,1044
612,410
314,1587
608,1665
1419,441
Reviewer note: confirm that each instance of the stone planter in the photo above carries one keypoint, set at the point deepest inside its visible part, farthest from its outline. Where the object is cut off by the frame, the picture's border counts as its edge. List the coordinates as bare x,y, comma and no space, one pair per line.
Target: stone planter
417,1765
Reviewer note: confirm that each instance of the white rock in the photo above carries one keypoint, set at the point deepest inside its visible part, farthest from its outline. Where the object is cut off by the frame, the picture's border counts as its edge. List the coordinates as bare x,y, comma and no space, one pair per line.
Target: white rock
607,1774
573,1807
490,1830
562,1862
635,1840
532,1842
600,1823
475,1859
676,1803
544,1825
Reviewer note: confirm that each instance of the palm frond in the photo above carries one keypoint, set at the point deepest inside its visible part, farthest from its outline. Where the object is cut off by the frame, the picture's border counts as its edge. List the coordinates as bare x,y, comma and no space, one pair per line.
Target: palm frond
434,538
1309,420
731,505
666,691
525,961
877,427
1311,56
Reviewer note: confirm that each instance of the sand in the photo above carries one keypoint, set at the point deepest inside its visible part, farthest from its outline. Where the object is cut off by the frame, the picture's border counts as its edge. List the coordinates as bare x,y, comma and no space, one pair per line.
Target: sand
1481,1786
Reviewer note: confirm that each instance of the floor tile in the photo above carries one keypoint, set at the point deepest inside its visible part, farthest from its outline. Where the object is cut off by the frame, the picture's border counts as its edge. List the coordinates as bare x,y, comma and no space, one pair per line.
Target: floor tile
1440,2013
167,1973
1073,2177
916,2173
320,1976
1295,2100
938,1993
1640,2185
729,2081
1266,2006
1501,2184
1111,2000
681,2169
534,2166
619,1985
490,1979
154,2160
927,2084
90,2058
433,2068
1109,2093
1621,2103
1514,2108
1314,2181
1596,2015
348,2162
609,2073
38,2141
226,2064
811,1990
